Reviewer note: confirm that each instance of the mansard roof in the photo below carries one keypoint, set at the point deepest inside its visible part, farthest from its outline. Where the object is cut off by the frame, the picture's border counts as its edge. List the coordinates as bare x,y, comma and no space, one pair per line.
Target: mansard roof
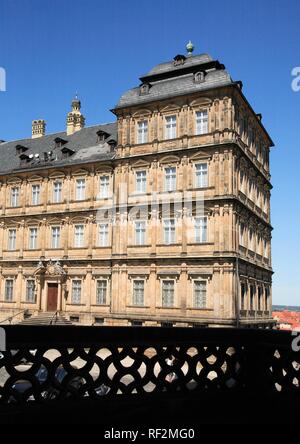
177,77
82,146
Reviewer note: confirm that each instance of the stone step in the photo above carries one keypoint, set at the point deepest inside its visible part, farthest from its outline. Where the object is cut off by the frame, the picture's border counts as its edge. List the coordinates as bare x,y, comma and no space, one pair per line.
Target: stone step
46,319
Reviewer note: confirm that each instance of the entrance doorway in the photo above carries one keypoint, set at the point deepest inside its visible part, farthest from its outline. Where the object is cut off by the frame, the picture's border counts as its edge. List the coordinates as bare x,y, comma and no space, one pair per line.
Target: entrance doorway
52,297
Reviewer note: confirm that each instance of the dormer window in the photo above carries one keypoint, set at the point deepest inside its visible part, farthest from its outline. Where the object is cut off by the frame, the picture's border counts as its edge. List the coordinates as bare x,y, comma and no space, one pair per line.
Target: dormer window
199,77
112,143
144,89
67,152
24,159
21,149
179,60
59,142
102,136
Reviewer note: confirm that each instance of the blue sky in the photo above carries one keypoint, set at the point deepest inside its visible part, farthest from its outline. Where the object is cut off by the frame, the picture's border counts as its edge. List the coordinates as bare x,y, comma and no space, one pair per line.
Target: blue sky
50,49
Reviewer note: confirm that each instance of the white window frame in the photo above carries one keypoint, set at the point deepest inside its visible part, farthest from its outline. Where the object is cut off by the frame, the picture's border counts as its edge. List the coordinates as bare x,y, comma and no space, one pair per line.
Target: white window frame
33,234
201,175
201,229
57,191
102,299
171,127
14,197
104,186
138,299
30,291
80,189
103,234
141,181
55,236
12,239
142,131
169,231
79,235
140,227
164,303
202,302
76,291
170,178
9,290
35,194
201,122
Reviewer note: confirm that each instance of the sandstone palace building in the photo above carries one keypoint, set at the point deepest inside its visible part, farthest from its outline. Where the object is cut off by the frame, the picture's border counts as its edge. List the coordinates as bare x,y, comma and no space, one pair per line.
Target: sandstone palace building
161,218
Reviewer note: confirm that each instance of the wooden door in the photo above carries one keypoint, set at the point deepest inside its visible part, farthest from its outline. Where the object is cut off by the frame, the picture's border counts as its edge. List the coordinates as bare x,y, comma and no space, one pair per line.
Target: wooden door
52,297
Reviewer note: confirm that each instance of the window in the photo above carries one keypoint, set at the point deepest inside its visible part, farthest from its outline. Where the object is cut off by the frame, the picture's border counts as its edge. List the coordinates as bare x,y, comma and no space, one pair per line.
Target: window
141,181
14,196
168,293
98,321
12,236
57,195
138,292
104,186
259,299
201,175
35,194
201,229
142,133
201,122
9,290
103,235
242,234
169,231
76,292
243,296
170,127
199,294
55,237
80,189
33,238
140,232
79,236
251,240
101,298
267,294
30,286
170,178
251,298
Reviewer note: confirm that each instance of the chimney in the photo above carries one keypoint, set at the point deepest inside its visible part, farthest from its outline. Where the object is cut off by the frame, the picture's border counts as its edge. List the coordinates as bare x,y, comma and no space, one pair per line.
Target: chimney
75,120
38,128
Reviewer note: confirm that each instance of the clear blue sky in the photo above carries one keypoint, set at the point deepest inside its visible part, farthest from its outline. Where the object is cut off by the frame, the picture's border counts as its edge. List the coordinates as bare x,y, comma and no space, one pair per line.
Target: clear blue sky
52,48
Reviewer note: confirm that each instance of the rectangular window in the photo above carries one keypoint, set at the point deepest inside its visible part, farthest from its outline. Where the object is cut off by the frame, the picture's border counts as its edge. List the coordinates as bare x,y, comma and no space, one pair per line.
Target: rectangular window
201,122
169,231
138,292
199,294
55,237
14,196
80,189
9,290
243,296
33,238
142,135
201,229
140,232
12,236
30,286
76,292
170,127
101,292
168,288
36,189
170,178
57,192
79,236
201,175
103,235
141,181
242,235
104,186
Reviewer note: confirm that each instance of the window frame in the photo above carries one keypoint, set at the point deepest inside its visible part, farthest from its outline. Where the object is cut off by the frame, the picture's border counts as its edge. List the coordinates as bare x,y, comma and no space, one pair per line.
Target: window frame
170,128
201,124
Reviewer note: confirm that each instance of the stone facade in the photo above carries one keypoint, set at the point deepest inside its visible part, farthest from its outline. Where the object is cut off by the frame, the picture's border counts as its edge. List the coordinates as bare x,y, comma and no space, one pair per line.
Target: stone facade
118,239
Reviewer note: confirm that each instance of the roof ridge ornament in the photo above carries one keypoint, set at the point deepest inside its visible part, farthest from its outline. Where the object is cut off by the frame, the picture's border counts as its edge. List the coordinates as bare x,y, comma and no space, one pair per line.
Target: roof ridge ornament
190,48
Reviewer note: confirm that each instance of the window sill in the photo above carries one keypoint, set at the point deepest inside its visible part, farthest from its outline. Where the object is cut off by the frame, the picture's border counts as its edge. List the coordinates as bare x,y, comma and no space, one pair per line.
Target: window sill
138,306
200,309
200,243
7,302
99,305
74,304
139,245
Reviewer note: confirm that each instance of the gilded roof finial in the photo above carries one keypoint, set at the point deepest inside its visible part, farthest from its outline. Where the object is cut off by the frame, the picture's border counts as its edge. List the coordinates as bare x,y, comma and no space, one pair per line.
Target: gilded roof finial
190,48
